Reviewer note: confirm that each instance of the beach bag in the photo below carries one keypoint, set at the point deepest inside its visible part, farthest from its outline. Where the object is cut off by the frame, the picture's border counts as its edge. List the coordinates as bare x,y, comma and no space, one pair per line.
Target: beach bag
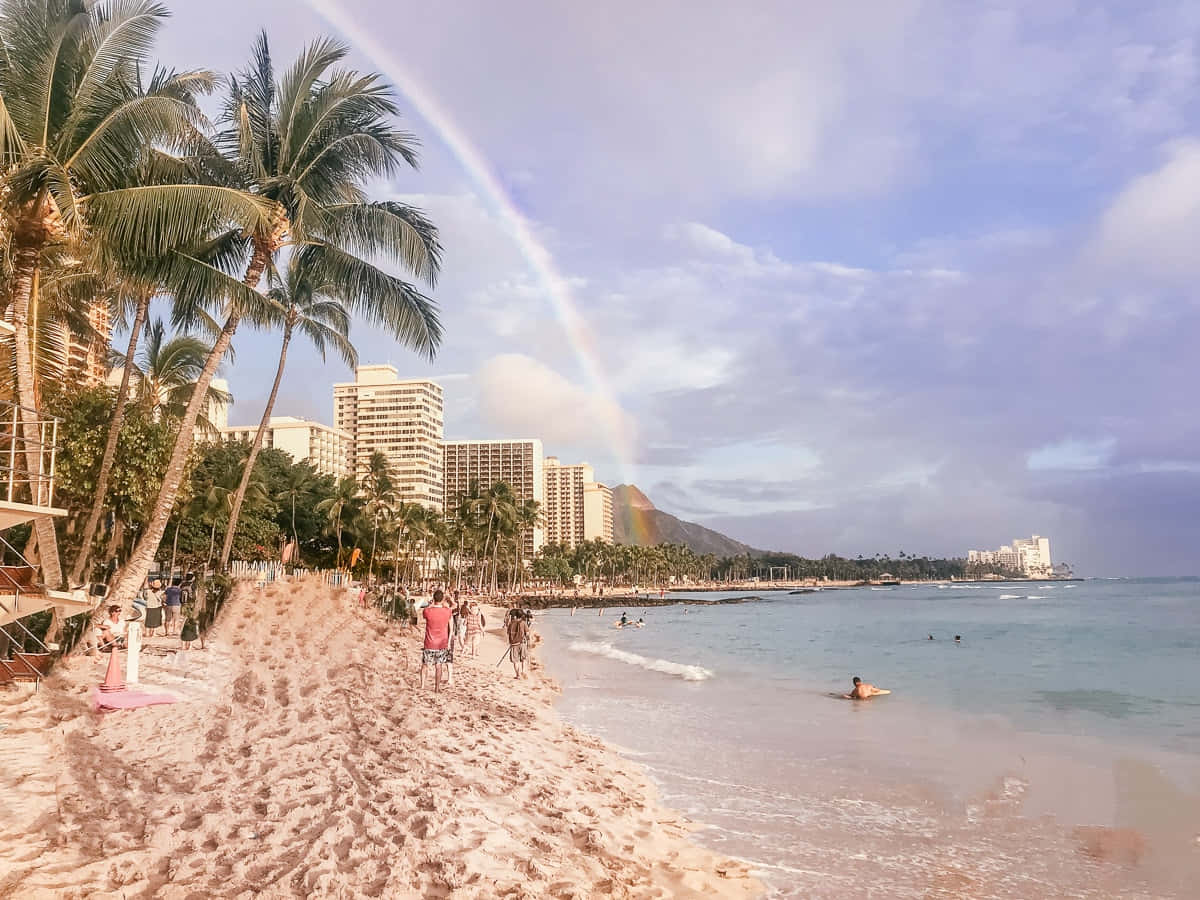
189,632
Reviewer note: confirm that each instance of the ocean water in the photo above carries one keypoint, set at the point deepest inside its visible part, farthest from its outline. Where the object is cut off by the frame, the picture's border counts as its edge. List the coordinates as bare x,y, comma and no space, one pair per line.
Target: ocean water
1066,706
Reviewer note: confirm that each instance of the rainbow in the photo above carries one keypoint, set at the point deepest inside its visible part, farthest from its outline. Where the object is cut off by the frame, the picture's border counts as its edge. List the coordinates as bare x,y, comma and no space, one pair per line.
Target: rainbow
476,166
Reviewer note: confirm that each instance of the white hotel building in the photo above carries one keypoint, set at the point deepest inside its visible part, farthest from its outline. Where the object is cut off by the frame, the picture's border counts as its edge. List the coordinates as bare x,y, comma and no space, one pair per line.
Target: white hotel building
326,449
401,418
1030,556
578,508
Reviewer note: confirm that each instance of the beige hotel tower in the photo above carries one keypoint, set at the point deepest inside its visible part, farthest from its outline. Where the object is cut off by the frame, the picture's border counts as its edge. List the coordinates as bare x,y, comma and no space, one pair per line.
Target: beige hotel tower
400,417
518,462
578,508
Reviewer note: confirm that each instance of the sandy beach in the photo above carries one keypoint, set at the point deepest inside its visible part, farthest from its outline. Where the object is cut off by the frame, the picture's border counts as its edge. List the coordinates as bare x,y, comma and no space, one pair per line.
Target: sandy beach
303,761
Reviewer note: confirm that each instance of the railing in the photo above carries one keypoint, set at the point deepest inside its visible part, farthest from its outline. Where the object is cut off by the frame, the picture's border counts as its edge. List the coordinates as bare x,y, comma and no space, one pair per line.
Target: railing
27,460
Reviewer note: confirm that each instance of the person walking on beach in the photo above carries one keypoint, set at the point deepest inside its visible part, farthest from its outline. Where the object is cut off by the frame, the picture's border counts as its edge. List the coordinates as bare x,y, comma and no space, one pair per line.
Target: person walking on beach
435,651
474,619
518,639
172,600
154,607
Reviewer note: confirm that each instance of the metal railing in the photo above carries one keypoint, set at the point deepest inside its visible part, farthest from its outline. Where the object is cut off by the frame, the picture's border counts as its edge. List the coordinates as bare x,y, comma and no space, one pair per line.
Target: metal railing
28,453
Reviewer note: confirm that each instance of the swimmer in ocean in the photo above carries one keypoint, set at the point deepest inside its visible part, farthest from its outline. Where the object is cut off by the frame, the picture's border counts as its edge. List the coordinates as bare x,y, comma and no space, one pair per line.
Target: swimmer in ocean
863,690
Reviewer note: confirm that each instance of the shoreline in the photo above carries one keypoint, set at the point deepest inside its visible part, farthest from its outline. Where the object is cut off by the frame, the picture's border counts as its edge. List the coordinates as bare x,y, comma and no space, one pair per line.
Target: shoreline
316,768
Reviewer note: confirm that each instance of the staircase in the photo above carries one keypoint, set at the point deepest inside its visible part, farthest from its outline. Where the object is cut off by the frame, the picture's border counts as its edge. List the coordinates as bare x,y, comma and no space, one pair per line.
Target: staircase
28,451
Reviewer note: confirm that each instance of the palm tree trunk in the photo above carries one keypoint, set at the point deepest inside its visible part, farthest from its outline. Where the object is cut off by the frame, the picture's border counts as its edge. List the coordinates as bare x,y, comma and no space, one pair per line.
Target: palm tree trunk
239,497
143,553
295,536
486,541
338,528
374,534
212,544
175,544
110,447
28,239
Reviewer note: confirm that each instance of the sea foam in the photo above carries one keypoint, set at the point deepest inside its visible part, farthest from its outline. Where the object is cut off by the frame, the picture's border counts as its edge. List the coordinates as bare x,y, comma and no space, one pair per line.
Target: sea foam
680,670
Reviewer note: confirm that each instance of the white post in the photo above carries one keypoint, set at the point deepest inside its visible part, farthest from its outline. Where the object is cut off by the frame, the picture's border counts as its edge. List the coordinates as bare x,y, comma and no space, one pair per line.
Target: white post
133,650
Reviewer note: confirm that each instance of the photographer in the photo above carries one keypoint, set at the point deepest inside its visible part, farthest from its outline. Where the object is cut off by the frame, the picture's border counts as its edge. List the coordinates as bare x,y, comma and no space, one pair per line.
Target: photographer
517,626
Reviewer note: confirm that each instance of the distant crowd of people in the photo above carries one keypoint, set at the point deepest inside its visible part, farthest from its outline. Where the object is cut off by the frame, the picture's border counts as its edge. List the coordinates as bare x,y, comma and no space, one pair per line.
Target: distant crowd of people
454,626
156,606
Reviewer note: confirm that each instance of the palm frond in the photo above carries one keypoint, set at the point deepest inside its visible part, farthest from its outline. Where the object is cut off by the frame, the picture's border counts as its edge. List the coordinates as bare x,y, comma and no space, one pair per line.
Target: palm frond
383,299
384,227
120,31
201,288
296,88
153,220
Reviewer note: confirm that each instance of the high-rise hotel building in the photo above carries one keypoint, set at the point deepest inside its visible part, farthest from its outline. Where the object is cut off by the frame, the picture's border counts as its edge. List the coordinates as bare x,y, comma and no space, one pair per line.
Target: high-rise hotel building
518,462
325,449
401,418
577,507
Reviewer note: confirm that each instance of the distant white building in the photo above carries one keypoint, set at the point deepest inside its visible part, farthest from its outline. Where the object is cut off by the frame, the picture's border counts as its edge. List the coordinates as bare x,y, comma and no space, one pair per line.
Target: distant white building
326,449
577,508
1030,556
401,418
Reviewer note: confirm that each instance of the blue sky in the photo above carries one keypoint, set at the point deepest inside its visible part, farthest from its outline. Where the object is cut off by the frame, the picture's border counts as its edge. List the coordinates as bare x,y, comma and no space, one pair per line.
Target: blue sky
908,276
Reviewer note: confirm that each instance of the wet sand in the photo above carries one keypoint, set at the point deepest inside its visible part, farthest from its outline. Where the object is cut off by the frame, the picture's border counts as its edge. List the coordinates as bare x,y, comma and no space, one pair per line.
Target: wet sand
305,762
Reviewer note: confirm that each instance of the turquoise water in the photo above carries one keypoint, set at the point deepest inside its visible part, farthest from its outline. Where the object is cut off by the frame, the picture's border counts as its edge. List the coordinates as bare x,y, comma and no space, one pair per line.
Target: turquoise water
1065,704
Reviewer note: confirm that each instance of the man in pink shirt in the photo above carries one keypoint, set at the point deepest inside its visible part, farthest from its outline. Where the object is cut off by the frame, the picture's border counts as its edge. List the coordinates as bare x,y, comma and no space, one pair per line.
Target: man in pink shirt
436,649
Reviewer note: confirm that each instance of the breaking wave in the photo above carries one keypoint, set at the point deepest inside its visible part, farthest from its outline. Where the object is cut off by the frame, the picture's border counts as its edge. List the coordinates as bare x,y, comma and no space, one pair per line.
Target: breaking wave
679,670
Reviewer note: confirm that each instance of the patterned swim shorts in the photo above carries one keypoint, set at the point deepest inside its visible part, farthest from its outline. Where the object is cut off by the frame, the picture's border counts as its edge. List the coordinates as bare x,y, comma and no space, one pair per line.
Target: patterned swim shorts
436,657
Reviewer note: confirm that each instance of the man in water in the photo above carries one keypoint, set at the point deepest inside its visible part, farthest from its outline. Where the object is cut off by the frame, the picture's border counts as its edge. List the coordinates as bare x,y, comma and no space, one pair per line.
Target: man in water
863,690
624,620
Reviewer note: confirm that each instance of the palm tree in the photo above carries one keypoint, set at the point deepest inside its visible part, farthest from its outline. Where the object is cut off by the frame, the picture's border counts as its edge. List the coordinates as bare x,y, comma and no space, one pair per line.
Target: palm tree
499,505
379,495
528,516
168,370
342,503
307,302
308,142
76,135
131,288
300,484
215,497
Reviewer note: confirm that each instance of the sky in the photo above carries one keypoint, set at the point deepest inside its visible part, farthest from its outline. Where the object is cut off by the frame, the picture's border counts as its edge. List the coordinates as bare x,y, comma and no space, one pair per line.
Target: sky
831,278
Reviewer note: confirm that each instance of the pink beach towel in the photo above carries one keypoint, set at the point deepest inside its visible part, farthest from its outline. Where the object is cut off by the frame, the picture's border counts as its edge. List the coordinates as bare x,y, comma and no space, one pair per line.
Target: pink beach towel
117,700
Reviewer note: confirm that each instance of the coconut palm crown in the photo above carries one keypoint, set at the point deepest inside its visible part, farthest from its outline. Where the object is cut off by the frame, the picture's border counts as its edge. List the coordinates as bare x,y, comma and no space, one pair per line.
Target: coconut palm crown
311,142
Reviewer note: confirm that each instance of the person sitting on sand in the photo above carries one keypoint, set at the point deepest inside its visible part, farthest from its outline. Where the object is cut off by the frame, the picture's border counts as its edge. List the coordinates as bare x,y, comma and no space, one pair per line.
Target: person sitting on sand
112,630
518,637
435,651
864,690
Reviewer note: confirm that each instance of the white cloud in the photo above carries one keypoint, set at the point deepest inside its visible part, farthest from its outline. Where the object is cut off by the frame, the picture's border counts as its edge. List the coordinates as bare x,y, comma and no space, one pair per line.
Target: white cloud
1073,455
706,240
1152,227
522,397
